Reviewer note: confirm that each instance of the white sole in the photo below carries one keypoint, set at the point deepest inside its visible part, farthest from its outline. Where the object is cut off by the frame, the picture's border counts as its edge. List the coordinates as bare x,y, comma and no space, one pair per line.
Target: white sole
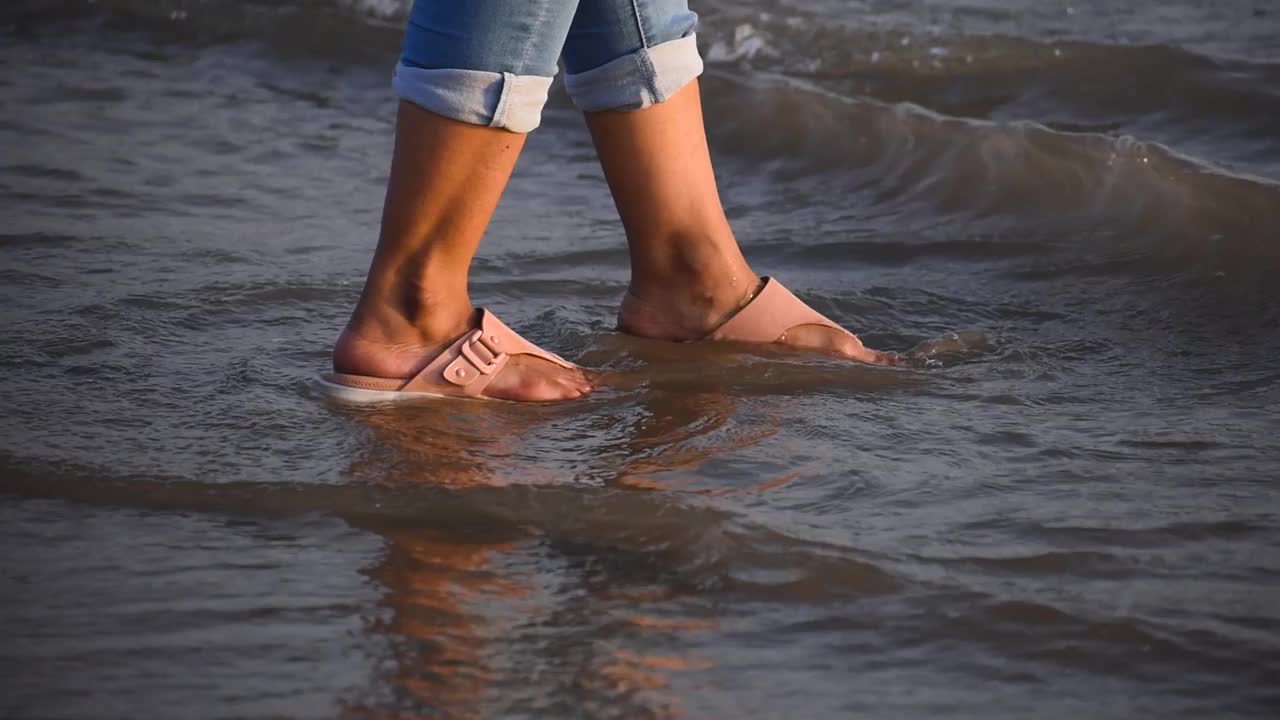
360,396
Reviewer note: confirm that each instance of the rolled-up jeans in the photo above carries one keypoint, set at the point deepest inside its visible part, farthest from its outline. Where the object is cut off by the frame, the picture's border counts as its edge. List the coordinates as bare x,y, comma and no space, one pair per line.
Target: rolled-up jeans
491,62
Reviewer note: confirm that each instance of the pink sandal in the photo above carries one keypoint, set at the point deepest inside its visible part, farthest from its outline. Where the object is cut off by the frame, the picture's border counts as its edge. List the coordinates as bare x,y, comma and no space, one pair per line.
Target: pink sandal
464,369
774,311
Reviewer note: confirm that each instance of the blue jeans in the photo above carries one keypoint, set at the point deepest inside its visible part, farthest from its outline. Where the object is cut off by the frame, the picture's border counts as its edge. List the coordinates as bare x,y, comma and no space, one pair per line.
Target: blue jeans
490,62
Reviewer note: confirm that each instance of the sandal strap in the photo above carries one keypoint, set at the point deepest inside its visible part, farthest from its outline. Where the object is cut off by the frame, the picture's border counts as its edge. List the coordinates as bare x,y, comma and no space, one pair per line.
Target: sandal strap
475,359
769,315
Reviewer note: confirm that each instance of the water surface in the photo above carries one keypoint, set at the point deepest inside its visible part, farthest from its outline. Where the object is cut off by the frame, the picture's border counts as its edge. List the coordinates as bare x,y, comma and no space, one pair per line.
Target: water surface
1071,512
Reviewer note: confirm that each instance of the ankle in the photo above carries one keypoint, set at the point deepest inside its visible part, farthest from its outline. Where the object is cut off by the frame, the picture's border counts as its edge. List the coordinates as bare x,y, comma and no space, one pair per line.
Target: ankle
398,314
396,327
687,293
705,267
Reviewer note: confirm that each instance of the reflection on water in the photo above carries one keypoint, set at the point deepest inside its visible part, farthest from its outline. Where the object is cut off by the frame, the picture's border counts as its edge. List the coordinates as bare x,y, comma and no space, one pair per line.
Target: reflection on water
442,602
459,605
1062,506
470,624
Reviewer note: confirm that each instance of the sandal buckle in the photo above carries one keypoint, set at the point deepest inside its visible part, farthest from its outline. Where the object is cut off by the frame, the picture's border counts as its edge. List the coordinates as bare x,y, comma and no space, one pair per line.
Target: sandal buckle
474,350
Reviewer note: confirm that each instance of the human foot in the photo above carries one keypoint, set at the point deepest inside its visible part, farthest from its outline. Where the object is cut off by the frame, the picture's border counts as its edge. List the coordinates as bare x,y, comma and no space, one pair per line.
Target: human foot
765,313
477,357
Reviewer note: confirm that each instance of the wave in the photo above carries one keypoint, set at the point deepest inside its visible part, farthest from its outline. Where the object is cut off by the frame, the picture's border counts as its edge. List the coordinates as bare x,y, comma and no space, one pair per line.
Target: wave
697,544
902,157
697,547
925,128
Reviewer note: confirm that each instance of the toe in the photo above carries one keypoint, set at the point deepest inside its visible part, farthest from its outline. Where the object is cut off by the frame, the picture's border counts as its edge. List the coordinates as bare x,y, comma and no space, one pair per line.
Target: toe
581,386
576,380
886,358
823,339
530,379
560,384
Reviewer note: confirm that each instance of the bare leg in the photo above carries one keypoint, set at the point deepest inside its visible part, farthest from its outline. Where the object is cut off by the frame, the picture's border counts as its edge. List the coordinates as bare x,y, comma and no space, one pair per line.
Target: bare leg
446,179
687,274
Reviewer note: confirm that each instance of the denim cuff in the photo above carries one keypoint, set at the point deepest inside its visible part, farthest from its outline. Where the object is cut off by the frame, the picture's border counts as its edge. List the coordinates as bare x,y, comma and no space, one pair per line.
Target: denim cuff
500,100
636,81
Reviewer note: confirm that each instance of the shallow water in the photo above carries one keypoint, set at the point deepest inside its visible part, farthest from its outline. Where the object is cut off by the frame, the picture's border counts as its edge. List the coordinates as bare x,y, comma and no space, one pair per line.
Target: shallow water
1072,512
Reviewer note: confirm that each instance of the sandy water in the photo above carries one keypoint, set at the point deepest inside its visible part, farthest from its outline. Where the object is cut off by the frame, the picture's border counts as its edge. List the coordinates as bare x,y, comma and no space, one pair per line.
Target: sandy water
1070,511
